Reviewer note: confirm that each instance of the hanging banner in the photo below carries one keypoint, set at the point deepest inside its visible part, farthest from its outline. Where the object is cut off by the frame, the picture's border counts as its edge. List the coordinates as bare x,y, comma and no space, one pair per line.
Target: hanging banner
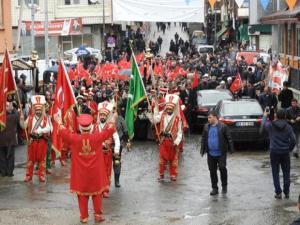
159,10
264,3
291,3
212,3
239,3
277,75
55,27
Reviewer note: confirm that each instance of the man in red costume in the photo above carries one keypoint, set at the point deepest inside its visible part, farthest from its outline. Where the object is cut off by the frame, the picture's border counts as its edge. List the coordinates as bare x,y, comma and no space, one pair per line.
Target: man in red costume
92,105
105,110
170,135
88,176
38,129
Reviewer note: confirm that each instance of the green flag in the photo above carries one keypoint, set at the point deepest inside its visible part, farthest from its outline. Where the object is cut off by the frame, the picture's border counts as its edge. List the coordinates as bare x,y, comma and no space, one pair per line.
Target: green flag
136,94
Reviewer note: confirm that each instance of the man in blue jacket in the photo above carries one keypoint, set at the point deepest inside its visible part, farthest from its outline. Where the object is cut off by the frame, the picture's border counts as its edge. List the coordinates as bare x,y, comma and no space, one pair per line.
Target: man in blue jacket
282,141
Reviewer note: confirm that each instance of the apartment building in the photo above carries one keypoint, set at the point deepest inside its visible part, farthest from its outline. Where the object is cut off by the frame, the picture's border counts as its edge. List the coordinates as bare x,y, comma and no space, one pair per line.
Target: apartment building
71,23
5,27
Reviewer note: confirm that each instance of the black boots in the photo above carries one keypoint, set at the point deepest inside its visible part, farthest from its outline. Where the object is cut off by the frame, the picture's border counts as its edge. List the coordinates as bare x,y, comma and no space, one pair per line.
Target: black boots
117,181
214,192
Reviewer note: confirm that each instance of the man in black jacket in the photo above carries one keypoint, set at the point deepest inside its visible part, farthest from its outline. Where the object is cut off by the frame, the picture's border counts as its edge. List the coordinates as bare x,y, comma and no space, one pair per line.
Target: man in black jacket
285,96
216,141
293,116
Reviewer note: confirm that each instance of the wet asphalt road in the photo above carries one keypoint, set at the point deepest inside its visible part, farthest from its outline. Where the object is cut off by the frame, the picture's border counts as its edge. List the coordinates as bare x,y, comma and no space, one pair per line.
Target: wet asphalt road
143,201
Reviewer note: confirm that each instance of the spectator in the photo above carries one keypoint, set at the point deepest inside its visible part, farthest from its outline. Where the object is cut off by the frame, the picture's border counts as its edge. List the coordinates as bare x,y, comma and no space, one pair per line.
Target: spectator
293,116
216,142
268,101
282,141
285,96
8,141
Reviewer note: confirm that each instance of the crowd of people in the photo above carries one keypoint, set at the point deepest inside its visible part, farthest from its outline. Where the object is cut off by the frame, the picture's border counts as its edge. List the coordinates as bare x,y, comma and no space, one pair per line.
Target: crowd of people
96,127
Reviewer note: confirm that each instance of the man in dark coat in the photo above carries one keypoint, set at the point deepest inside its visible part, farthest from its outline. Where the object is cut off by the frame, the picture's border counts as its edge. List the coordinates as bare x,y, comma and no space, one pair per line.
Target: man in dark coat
282,142
285,96
216,142
8,141
293,116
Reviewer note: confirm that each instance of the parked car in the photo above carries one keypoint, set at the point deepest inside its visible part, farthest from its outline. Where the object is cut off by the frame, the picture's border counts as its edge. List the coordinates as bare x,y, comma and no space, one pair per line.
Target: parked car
244,119
206,100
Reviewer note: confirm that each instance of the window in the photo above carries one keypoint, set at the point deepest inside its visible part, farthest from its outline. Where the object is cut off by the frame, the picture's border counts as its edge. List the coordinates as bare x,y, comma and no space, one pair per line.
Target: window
1,14
67,2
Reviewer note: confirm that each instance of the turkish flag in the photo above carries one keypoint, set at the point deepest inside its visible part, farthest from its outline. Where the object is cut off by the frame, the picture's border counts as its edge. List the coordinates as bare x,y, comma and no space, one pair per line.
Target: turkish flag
7,86
63,105
237,84
195,80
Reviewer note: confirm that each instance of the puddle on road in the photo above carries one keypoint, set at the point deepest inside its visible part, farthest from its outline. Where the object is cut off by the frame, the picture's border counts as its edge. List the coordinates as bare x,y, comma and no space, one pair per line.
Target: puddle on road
195,216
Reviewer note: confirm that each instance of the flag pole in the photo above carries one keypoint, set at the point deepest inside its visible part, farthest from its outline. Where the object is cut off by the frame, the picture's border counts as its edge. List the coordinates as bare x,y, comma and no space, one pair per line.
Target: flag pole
17,92
133,56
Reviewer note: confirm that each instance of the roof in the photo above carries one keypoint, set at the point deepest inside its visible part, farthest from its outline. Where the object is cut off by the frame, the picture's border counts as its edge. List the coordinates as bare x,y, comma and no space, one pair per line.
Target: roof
243,100
282,16
214,91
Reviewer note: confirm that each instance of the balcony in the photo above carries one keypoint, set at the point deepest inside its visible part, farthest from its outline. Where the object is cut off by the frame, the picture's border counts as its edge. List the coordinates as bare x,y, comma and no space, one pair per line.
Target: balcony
90,14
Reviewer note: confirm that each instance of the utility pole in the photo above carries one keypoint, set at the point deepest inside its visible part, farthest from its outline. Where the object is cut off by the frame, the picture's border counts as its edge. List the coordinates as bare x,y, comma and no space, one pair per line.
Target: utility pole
32,26
46,35
20,24
103,20
215,39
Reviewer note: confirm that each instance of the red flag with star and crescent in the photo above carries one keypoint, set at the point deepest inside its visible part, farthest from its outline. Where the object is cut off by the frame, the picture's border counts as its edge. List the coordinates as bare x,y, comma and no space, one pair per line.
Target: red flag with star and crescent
236,84
7,86
63,105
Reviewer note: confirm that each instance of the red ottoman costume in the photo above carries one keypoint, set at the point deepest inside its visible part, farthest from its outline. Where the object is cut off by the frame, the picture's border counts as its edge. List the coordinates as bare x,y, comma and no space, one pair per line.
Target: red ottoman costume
38,129
170,136
106,109
88,177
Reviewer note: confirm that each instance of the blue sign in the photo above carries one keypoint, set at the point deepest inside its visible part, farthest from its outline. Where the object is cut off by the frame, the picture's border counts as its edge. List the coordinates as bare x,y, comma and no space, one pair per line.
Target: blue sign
264,3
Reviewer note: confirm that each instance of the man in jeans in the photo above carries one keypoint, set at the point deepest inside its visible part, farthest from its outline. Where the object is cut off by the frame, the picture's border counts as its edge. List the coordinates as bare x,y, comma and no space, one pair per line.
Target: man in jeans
216,141
282,141
293,116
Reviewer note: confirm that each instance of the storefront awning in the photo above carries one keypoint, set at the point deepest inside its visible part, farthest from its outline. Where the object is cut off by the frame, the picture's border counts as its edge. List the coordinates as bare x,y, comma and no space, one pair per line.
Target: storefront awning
19,64
261,28
283,16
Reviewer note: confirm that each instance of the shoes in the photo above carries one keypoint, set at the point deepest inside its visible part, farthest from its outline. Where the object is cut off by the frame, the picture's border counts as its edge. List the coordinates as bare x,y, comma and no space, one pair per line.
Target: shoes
296,155
27,178
286,196
42,179
278,196
117,181
173,178
84,220
99,218
160,178
224,190
105,195
214,192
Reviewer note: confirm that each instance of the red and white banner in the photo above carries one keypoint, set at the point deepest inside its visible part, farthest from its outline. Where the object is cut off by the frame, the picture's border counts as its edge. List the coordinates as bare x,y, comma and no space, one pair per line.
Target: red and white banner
55,27
277,75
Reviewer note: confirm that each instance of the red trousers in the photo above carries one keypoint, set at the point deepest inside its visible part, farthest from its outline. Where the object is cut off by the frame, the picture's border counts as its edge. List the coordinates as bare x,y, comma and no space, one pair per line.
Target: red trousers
83,201
37,152
168,153
108,164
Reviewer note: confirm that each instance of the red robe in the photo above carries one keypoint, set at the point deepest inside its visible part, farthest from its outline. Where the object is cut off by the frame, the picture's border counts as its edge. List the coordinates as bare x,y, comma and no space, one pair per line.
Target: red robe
87,166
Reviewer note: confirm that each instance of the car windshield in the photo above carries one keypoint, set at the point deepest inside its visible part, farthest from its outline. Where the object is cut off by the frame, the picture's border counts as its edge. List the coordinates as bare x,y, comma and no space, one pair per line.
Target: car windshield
209,98
245,108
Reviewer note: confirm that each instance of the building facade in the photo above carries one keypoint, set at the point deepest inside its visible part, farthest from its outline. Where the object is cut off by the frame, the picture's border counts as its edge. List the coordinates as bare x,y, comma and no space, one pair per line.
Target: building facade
286,34
62,13
5,27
